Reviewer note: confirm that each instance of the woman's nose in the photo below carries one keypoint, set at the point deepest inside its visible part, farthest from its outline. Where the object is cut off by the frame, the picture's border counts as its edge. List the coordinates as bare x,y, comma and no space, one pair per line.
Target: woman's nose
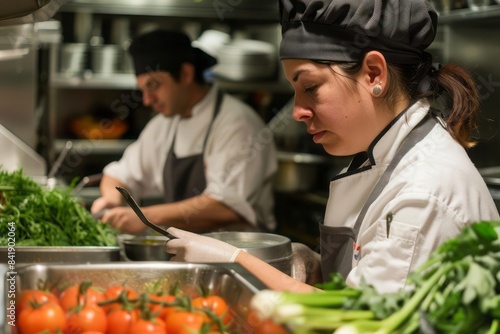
301,113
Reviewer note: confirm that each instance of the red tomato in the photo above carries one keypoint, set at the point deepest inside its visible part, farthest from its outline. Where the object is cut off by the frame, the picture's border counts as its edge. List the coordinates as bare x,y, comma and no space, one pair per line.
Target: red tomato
270,327
119,321
184,322
29,297
215,304
89,318
263,326
113,292
143,326
48,317
160,310
72,296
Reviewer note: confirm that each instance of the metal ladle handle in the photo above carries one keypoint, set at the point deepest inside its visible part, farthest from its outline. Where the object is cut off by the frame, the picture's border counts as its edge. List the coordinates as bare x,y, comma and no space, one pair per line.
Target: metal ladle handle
60,159
133,204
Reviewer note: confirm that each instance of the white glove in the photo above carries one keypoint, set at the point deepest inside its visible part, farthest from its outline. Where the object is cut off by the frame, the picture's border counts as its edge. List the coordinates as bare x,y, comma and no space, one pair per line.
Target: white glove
192,247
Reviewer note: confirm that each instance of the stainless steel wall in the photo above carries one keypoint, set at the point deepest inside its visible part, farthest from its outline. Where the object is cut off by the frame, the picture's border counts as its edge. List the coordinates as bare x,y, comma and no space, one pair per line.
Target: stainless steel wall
18,81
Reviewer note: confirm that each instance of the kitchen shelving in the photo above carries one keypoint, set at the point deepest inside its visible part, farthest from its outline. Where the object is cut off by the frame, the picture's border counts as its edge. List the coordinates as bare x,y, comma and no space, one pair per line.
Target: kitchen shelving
73,94
255,10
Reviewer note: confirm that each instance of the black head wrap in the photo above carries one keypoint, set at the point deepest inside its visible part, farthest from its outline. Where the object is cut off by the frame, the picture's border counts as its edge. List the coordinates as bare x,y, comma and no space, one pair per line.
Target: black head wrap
164,50
333,30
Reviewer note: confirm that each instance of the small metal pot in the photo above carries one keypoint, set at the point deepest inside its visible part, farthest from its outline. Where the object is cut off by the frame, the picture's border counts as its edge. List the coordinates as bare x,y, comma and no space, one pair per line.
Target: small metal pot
73,58
146,248
106,59
274,249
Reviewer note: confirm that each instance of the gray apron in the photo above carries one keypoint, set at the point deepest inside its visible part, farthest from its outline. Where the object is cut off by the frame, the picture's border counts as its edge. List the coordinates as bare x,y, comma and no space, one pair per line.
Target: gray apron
185,177
336,243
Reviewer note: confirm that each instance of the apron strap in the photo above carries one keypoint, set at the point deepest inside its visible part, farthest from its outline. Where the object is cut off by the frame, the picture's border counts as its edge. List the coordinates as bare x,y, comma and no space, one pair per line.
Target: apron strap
217,105
185,177
417,134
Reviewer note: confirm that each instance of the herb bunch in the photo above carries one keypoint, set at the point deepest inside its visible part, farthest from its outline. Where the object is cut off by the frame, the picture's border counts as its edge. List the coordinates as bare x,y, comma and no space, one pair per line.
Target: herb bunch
47,217
457,290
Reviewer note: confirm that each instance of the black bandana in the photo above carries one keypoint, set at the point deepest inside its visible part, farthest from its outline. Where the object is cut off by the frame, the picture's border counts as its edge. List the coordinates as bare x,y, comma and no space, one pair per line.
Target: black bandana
163,50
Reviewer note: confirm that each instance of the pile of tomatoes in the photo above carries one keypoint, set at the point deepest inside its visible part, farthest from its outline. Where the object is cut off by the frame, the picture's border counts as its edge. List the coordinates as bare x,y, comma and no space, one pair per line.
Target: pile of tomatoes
86,309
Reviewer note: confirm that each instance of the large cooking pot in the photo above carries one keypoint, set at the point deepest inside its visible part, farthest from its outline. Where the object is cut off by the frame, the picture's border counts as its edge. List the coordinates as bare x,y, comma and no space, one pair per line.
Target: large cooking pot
273,249
298,171
491,176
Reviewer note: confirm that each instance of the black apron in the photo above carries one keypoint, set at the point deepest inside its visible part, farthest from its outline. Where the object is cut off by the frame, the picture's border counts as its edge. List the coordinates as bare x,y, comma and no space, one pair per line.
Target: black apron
336,243
185,177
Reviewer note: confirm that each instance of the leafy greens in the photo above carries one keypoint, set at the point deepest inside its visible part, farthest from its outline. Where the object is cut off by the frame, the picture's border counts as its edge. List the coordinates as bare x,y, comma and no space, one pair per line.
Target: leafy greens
47,217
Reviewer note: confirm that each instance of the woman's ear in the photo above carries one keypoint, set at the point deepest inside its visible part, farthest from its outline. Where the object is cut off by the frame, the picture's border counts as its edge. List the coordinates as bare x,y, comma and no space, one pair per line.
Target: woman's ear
375,73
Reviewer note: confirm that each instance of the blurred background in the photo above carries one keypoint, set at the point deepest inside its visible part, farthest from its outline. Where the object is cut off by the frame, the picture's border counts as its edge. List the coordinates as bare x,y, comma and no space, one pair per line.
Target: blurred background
69,79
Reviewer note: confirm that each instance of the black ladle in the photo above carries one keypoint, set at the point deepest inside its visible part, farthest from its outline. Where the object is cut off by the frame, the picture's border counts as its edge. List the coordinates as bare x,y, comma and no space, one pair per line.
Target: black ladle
133,204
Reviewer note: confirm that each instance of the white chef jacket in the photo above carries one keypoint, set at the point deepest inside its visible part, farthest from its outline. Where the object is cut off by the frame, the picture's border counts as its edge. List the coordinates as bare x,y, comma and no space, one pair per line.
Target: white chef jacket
240,156
434,191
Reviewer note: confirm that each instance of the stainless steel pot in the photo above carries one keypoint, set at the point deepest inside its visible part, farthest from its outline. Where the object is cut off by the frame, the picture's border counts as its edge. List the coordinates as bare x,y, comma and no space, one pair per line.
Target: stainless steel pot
146,248
297,171
106,59
271,248
73,58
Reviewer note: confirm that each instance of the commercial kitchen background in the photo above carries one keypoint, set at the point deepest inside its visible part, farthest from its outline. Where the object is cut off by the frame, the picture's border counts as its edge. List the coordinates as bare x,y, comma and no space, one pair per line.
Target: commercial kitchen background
56,75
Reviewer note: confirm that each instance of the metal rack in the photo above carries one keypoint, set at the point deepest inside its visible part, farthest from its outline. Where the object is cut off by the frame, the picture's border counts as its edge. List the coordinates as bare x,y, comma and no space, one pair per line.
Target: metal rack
256,10
485,16
69,94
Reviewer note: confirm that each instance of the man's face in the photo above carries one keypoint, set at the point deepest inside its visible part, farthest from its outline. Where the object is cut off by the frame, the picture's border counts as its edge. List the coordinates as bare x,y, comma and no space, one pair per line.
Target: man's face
161,92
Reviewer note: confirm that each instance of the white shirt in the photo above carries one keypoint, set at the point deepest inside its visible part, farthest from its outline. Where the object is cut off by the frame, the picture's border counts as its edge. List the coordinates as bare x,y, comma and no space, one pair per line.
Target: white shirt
434,191
240,156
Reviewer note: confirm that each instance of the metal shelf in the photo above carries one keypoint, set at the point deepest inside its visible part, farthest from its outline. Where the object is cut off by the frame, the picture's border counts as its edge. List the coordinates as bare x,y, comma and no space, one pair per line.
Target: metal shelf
115,81
103,146
128,81
486,16
254,10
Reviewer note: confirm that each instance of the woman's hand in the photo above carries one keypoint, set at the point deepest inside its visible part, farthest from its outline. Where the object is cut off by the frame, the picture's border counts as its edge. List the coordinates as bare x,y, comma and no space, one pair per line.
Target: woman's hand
192,247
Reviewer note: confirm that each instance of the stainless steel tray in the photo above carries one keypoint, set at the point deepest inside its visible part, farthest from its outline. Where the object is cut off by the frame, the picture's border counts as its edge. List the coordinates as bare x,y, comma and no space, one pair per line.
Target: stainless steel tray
64,254
230,281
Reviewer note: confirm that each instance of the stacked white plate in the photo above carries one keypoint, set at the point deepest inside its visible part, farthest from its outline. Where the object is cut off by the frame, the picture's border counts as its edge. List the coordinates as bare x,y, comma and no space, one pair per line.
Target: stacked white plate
246,59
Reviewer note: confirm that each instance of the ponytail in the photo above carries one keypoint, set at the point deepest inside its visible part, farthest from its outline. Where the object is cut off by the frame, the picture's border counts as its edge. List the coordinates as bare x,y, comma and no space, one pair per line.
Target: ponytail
455,85
465,102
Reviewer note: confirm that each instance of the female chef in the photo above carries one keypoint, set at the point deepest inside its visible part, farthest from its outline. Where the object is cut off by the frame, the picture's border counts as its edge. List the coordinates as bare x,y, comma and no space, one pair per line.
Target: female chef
365,87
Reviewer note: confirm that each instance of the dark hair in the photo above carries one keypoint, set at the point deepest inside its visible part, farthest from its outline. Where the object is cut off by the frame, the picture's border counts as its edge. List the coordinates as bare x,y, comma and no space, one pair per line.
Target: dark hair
199,77
167,50
452,87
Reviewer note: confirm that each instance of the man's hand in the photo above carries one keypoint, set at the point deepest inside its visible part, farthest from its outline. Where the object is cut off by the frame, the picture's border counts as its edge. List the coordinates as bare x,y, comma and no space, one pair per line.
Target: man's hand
124,219
103,203
192,247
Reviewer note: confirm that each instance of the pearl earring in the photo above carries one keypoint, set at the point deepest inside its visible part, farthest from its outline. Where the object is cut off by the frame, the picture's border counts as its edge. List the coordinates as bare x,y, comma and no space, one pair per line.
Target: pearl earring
377,89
